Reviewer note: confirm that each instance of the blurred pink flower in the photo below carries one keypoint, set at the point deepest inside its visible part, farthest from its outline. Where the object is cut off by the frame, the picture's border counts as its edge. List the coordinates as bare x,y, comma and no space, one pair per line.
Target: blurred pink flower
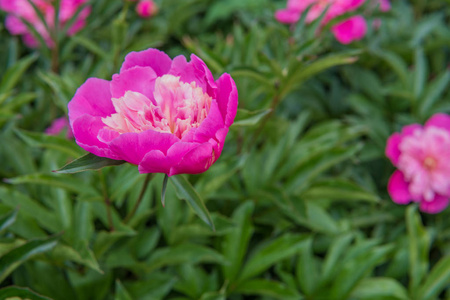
20,10
350,30
422,157
59,125
146,8
166,116
347,31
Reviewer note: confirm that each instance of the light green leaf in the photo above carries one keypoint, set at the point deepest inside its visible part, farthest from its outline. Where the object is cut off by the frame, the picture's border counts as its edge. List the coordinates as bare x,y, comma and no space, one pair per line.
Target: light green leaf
187,192
88,162
12,76
121,292
249,118
11,260
264,287
380,288
437,280
7,219
270,253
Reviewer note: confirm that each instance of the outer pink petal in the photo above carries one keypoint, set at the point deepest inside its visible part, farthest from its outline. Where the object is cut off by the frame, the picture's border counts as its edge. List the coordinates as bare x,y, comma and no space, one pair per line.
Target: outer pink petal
8,5
86,129
133,146
209,127
195,70
392,150
153,58
287,16
15,26
196,161
137,79
398,188
92,98
410,129
350,30
158,162
227,98
438,204
439,120
385,5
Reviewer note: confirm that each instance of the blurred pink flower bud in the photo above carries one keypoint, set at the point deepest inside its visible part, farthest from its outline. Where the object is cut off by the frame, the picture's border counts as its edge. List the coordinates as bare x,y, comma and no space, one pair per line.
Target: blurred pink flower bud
146,8
350,30
422,157
59,125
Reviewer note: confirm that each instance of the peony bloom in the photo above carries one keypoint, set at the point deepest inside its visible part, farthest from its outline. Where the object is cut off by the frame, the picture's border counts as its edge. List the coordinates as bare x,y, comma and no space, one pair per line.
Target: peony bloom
146,8
422,157
22,10
58,126
166,116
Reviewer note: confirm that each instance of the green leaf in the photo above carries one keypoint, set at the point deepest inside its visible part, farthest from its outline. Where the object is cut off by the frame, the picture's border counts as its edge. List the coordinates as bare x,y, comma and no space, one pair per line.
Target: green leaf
334,255
306,270
187,192
420,74
298,75
11,260
380,288
249,118
8,219
88,162
264,287
419,247
163,191
12,292
270,253
436,281
236,242
12,76
433,93
38,139
121,292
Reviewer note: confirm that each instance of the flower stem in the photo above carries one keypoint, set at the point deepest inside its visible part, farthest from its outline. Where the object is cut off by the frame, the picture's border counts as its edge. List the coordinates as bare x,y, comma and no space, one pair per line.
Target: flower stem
148,178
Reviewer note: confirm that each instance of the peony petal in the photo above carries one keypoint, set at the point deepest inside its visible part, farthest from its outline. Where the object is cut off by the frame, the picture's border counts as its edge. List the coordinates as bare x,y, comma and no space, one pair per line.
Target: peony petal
137,79
133,146
287,16
153,58
209,127
227,98
86,129
439,120
158,162
92,98
352,29
410,129
392,150
398,188
196,161
438,204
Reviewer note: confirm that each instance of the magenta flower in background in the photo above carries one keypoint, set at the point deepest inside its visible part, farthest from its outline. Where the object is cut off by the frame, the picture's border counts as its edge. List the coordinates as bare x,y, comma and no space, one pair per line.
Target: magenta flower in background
59,125
422,157
345,32
22,9
146,8
166,116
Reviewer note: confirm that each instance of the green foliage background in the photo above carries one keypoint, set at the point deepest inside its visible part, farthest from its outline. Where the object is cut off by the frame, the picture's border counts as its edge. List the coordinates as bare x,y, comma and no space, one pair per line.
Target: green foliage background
298,198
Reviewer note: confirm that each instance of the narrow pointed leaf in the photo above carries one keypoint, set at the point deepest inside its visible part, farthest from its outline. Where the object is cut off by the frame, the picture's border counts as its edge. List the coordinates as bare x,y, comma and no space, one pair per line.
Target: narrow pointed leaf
16,292
88,162
11,260
8,219
163,192
249,118
12,76
187,192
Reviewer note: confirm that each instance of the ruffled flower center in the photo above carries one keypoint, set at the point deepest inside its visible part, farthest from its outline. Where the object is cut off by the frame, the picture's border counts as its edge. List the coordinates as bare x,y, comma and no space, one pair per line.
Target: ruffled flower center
176,108
425,162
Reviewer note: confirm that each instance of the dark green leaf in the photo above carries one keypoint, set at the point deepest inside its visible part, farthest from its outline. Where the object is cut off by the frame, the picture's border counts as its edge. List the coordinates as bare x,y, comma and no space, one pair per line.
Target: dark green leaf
437,280
7,219
88,162
11,292
187,192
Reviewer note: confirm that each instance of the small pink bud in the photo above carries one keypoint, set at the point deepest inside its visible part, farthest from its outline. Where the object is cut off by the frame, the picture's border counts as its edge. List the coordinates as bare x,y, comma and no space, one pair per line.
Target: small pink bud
146,8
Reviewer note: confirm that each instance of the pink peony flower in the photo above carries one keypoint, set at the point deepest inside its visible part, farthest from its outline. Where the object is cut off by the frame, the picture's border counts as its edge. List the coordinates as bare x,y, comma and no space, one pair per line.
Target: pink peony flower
58,126
22,9
166,116
422,157
146,8
350,30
